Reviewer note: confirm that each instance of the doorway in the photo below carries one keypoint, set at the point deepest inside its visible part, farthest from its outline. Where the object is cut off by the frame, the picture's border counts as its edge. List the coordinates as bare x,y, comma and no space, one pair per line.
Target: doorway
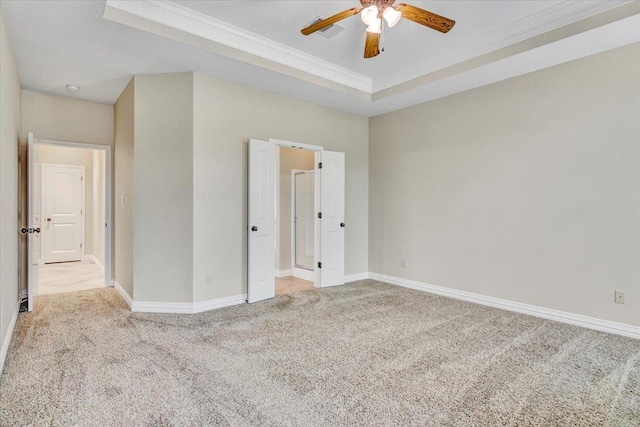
69,208
266,211
295,240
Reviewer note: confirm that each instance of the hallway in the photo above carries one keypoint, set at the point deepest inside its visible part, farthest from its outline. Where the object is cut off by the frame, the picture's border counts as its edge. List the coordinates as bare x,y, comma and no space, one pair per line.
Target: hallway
69,277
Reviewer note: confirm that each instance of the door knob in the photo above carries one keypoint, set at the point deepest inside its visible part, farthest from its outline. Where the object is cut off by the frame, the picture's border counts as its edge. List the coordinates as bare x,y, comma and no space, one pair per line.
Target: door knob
48,219
254,228
36,230
342,224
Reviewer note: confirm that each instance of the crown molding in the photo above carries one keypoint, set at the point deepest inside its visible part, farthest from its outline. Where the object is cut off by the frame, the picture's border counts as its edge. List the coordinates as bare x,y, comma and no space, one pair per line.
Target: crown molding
190,21
560,15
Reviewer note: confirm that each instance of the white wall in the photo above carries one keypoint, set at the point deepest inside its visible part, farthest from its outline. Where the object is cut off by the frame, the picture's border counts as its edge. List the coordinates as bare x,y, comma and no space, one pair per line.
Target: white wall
123,190
527,190
226,115
163,188
9,142
289,159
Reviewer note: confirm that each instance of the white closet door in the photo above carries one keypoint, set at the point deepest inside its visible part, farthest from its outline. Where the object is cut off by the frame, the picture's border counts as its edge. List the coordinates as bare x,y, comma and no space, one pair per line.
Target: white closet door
332,224
63,191
262,221
33,219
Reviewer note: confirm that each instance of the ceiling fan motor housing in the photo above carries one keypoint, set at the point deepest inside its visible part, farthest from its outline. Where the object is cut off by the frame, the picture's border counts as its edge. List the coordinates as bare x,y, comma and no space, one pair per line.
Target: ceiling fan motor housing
380,4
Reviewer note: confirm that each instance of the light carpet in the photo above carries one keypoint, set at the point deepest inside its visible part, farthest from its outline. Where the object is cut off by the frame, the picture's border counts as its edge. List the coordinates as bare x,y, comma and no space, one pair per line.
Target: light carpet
360,354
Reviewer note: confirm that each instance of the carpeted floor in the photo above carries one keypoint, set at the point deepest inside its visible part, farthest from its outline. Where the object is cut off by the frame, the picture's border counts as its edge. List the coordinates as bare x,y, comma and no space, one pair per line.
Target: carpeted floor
361,354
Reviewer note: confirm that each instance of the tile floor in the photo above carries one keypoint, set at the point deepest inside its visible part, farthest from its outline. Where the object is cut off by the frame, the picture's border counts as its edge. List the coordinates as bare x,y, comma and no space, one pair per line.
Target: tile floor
69,277
290,285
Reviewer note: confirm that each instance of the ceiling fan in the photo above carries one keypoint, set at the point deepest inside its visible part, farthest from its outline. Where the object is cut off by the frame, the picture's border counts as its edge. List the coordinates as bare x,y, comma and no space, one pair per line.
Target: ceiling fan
373,12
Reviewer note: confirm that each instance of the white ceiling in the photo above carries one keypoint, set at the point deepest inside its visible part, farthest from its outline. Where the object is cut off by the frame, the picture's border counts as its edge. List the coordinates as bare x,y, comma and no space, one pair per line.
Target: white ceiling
259,43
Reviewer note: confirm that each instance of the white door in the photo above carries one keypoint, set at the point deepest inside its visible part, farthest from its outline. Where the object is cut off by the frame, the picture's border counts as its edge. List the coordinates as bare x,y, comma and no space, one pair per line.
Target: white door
63,227
32,229
332,224
262,221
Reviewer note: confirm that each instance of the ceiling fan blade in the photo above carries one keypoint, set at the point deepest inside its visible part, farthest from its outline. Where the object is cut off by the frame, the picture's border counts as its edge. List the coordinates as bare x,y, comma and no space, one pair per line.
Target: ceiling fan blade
330,20
372,45
424,17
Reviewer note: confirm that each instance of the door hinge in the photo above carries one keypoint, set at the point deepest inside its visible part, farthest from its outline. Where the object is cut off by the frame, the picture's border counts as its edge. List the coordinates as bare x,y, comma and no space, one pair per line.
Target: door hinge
80,211
319,265
320,215
320,165
80,245
81,178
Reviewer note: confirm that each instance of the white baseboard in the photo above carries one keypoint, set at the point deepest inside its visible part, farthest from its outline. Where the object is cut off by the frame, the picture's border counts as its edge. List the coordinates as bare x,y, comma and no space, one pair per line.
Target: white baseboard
532,310
125,296
92,258
7,339
187,307
283,273
355,277
303,274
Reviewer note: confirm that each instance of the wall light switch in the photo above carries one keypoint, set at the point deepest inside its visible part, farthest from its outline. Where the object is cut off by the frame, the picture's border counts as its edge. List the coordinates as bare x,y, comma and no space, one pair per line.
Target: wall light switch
122,200
404,263
209,279
619,297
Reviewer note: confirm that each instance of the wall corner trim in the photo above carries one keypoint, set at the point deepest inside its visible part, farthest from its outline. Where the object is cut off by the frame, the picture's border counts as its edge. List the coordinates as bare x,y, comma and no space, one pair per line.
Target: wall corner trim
283,273
187,307
531,310
125,296
7,339
348,278
92,258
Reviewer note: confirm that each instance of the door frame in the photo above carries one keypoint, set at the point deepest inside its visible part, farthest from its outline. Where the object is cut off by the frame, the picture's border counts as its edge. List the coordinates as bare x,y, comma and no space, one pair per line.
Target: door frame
108,195
316,197
303,273
83,203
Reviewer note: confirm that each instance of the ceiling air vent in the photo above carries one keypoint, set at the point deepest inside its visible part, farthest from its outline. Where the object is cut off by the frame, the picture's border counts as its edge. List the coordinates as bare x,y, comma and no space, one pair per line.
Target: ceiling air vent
328,32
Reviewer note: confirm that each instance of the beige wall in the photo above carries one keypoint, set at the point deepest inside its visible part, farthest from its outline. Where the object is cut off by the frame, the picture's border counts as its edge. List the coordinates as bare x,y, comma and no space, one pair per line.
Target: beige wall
163,188
9,142
289,159
79,157
226,115
527,190
66,119
123,190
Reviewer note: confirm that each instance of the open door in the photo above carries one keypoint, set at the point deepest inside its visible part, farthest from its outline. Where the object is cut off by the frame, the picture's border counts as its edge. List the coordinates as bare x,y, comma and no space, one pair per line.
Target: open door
262,221
332,187
33,218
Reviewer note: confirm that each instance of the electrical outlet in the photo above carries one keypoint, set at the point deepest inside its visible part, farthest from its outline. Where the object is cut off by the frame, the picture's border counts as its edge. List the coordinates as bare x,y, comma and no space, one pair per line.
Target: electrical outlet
404,263
209,279
619,297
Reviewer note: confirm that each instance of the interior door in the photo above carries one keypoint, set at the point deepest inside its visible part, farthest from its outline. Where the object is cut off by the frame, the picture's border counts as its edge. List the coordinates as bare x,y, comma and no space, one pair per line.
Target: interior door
33,229
261,221
332,224
63,194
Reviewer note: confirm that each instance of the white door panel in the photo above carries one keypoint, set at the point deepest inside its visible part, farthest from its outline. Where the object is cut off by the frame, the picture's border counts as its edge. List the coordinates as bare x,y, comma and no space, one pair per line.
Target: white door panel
34,224
261,221
63,195
332,206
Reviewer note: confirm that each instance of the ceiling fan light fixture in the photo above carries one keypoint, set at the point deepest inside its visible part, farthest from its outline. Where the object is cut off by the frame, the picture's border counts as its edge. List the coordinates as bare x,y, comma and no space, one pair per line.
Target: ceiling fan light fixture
375,27
369,14
391,15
